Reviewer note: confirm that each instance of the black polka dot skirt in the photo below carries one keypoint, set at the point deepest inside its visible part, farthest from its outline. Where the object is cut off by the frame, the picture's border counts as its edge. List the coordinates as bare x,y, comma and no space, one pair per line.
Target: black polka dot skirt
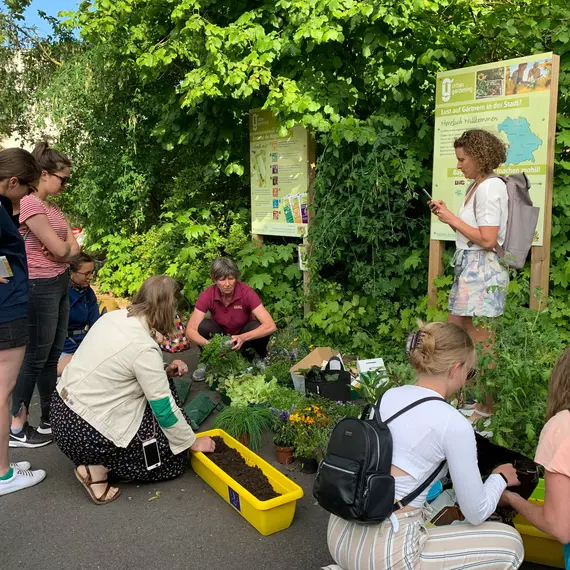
84,445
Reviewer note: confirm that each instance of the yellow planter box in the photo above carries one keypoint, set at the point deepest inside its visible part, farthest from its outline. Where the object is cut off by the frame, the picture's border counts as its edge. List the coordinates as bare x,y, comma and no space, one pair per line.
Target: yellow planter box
267,517
539,547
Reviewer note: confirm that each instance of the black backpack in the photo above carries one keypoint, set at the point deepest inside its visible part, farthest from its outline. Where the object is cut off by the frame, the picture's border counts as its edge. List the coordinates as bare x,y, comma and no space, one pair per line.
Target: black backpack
353,480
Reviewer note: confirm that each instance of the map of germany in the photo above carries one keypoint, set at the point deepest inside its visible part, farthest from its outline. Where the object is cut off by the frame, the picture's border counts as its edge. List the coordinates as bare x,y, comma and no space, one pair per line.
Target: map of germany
522,141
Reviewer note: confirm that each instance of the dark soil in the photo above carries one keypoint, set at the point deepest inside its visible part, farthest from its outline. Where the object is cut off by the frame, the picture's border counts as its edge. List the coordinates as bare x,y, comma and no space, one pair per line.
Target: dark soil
252,478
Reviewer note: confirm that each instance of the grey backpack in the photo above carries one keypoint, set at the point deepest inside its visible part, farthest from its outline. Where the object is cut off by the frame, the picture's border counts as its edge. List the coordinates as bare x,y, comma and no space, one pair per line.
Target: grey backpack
521,221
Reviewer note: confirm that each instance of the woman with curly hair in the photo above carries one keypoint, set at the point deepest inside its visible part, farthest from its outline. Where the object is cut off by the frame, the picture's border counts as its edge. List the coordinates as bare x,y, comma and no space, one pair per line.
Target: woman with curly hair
480,285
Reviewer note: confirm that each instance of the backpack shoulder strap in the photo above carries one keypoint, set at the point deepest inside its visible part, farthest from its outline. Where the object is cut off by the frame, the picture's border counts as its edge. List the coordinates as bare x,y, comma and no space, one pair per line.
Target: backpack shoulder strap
410,406
418,491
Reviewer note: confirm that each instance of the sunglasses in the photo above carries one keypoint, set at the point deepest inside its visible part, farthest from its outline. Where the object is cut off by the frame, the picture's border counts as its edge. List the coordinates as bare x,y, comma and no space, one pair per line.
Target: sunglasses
64,179
471,374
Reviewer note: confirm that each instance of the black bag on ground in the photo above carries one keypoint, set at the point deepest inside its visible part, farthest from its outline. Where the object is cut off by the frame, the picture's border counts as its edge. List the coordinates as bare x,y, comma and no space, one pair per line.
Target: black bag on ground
331,384
353,480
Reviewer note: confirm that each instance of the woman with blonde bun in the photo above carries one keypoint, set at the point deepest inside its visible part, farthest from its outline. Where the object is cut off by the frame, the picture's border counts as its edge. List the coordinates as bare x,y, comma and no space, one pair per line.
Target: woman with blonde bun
443,356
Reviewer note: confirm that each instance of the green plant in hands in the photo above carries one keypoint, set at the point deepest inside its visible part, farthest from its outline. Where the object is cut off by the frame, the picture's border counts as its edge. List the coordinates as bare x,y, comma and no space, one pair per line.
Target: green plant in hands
220,360
240,421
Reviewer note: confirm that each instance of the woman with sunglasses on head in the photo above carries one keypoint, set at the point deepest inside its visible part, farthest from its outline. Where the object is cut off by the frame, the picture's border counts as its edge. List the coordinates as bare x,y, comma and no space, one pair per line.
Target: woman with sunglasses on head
18,171
50,245
443,356
83,306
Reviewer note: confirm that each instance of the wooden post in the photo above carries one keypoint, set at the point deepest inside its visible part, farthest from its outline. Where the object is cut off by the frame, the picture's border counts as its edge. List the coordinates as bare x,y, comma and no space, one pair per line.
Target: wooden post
257,240
436,249
540,255
312,169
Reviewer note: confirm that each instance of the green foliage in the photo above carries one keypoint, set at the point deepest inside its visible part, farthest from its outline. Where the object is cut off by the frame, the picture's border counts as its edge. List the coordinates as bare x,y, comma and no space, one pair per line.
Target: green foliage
221,361
516,374
240,421
152,103
283,398
249,389
154,108
372,385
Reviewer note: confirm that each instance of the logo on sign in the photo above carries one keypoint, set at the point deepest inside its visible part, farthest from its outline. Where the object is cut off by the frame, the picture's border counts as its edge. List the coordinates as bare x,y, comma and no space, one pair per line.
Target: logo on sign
446,89
234,499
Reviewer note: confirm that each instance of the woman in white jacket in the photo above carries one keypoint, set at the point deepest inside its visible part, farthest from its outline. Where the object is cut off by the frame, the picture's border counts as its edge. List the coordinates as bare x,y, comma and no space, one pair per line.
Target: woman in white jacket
115,412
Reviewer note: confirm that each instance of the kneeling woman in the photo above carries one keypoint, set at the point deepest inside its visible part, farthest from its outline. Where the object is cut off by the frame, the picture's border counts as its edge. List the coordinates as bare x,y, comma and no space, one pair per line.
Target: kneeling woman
442,355
114,396
235,309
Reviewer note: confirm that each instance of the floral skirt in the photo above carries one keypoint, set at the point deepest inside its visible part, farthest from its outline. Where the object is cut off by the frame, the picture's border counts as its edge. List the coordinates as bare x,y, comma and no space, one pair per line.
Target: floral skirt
480,285
84,445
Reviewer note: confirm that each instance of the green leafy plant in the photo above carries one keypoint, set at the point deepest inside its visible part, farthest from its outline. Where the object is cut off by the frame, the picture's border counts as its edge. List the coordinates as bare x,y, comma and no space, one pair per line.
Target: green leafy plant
516,373
249,389
220,360
241,421
372,385
283,398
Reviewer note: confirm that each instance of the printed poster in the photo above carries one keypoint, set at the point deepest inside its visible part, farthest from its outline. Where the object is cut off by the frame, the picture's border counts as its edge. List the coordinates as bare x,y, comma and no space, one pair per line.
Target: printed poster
511,99
279,177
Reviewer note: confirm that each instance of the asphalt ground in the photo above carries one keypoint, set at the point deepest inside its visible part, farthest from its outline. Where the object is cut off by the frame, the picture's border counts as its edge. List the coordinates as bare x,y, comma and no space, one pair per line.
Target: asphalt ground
55,526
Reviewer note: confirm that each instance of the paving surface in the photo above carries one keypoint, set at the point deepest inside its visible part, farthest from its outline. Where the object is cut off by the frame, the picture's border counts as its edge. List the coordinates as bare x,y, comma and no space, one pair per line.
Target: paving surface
54,526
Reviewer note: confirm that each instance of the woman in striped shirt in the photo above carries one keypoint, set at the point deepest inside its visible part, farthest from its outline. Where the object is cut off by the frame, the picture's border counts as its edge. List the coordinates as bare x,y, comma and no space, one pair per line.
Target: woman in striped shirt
50,245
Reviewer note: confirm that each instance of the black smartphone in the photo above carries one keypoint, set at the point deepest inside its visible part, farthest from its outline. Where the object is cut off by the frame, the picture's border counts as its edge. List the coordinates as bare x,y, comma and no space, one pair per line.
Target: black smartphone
427,194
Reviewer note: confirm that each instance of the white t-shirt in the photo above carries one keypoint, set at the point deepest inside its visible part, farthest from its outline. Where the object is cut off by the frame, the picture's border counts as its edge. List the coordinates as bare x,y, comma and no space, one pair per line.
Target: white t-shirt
492,210
426,435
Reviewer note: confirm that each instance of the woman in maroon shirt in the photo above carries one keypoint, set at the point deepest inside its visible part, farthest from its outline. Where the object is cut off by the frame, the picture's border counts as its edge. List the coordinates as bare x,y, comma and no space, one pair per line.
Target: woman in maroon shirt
235,309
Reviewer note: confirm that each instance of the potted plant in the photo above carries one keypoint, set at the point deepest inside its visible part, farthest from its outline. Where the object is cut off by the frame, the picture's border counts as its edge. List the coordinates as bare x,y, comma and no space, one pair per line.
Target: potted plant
245,423
284,437
312,431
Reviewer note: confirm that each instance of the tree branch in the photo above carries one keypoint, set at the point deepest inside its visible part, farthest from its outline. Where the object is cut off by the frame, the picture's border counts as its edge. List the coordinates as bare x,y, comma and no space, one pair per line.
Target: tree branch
33,38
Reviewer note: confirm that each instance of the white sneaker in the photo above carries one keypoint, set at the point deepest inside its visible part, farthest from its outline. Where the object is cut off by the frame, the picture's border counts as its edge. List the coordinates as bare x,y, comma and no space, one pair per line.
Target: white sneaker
22,465
21,479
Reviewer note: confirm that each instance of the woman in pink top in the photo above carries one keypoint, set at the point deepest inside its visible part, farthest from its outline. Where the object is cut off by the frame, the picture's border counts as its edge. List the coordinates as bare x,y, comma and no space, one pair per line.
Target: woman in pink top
553,454
49,245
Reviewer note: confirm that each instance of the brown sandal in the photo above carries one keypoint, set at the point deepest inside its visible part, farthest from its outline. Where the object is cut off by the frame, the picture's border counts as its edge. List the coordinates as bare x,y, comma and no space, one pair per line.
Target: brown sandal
88,482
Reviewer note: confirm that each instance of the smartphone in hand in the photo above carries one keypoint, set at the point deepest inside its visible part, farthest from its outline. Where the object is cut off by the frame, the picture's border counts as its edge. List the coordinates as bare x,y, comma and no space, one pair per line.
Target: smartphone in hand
427,194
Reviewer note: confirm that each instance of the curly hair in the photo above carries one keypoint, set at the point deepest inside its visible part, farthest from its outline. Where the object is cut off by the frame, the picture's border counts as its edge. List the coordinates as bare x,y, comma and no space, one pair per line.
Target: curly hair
487,150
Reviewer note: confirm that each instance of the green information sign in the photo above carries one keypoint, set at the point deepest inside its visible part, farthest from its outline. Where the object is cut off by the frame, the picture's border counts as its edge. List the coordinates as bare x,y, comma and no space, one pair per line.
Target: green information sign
279,177
510,99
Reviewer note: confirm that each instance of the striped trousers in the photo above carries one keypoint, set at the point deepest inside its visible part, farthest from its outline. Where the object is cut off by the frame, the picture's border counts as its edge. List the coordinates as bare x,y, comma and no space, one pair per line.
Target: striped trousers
489,546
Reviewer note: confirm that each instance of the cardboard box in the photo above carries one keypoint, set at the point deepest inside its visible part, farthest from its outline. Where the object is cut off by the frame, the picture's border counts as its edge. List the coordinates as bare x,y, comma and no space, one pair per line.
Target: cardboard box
317,357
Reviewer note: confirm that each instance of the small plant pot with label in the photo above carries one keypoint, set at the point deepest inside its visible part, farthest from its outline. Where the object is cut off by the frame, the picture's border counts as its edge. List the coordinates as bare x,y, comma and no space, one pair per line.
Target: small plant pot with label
284,455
